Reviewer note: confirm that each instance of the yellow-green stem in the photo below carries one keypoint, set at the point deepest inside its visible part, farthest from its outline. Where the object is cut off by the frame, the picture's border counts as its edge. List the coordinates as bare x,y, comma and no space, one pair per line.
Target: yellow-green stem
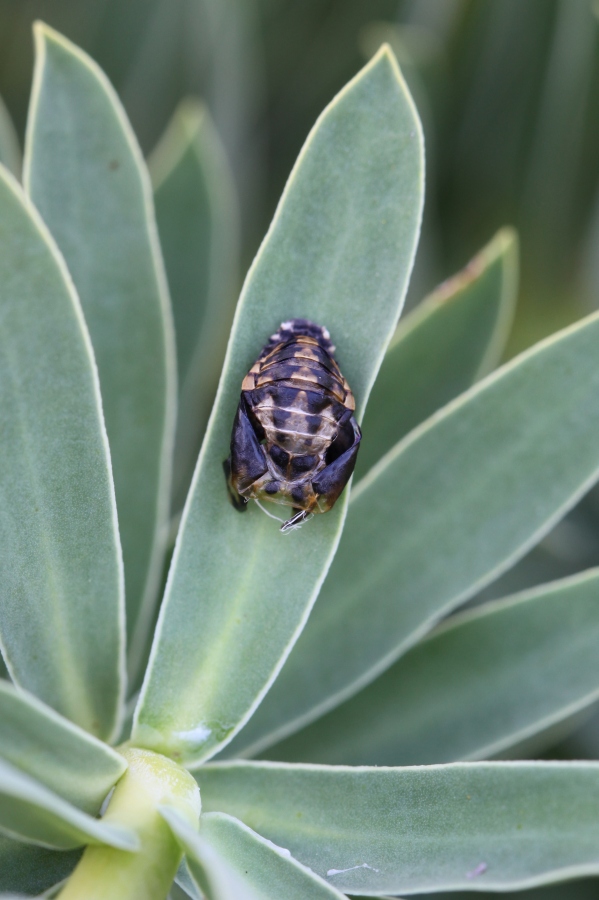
105,873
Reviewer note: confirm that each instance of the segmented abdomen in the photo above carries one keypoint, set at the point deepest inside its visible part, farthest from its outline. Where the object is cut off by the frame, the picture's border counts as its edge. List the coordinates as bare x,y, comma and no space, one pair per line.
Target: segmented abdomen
298,394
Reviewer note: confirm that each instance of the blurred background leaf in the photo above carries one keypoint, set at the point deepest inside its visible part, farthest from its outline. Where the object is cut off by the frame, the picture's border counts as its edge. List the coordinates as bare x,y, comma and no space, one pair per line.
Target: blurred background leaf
509,95
10,152
30,869
197,216
455,336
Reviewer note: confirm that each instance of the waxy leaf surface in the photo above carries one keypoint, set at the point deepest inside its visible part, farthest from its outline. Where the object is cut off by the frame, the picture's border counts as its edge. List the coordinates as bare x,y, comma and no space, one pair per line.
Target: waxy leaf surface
339,252
227,859
84,172
30,870
61,610
496,826
69,761
444,513
31,812
197,218
451,339
10,154
483,682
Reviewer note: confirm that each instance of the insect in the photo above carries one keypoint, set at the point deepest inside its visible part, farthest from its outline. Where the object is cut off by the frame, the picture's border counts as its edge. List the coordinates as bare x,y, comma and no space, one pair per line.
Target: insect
295,439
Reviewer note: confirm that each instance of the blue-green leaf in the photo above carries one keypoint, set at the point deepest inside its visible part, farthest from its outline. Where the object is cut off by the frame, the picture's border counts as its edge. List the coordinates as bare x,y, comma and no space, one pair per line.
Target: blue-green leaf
227,859
10,152
61,613
451,339
29,869
185,882
494,826
69,761
34,814
453,505
483,682
339,251
198,224
84,171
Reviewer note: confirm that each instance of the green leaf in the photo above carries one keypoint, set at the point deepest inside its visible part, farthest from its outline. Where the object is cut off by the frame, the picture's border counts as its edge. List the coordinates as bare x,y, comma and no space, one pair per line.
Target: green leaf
212,876
495,826
443,514
227,859
484,681
10,152
584,889
61,756
29,869
61,615
32,813
178,893
449,341
185,882
84,171
339,252
198,224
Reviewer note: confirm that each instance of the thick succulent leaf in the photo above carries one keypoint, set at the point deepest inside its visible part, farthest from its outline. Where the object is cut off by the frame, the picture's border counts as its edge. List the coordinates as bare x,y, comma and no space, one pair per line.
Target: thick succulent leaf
583,889
226,854
496,826
10,153
211,875
452,506
30,812
185,882
27,869
179,893
61,612
198,224
60,755
484,681
84,171
339,252
451,339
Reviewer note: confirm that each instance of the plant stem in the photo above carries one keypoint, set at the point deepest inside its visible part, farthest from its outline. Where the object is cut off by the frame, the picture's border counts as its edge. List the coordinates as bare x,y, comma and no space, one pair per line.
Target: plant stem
105,873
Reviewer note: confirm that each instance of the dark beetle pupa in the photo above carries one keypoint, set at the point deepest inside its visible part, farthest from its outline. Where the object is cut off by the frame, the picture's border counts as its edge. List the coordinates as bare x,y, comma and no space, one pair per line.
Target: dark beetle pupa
295,439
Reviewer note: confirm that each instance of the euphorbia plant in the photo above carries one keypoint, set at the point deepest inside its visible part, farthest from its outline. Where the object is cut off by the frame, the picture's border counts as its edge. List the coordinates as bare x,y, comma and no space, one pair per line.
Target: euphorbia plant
447,498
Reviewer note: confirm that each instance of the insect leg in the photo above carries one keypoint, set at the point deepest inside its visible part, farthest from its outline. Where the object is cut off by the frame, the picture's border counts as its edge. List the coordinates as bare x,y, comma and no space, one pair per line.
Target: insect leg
300,516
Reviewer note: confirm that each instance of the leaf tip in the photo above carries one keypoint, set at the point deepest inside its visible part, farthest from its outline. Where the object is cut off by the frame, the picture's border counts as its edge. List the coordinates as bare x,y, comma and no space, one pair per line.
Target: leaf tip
191,112
385,59
385,56
44,33
386,52
505,240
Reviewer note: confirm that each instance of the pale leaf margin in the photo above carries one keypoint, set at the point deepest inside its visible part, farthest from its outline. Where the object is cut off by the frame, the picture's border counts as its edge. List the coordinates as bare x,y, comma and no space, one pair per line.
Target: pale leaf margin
266,737
361,398
47,238
42,33
57,815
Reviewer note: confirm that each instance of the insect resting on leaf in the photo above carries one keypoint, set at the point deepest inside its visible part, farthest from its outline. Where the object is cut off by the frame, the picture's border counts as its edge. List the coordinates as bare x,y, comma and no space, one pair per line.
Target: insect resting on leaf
295,439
